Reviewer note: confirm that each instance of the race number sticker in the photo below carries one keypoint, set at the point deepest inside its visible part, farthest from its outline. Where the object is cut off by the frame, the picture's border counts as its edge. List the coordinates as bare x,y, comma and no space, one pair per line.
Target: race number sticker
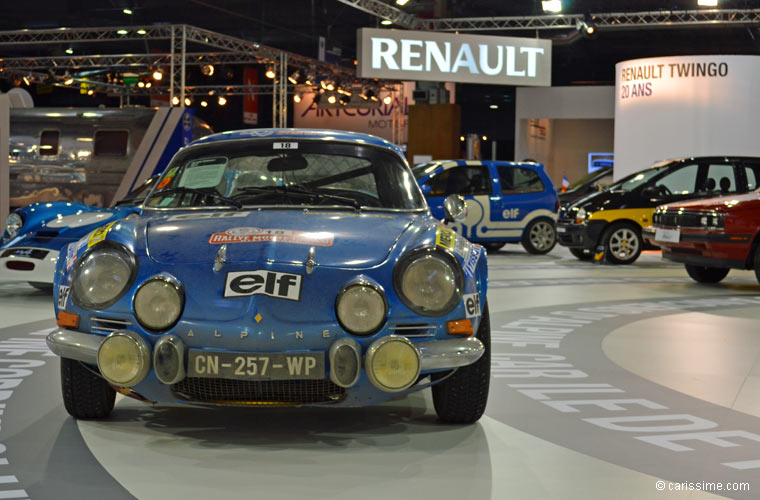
285,145
445,238
63,296
99,234
471,305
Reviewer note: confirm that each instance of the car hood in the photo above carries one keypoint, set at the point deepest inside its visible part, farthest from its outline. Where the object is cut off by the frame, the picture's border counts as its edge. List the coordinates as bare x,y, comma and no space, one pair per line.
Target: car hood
721,203
340,238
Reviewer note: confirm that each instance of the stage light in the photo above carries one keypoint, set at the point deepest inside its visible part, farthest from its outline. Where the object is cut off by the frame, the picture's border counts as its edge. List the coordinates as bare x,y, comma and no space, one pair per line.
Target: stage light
141,32
707,3
222,101
175,101
207,69
68,79
293,78
69,50
270,72
387,99
204,104
386,22
331,99
127,11
157,75
297,98
552,5
188,101
90,92
402,2
148,85
122,32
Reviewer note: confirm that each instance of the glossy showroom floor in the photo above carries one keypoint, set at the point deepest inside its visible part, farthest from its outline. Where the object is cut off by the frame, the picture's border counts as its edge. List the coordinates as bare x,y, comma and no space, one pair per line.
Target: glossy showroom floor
608,383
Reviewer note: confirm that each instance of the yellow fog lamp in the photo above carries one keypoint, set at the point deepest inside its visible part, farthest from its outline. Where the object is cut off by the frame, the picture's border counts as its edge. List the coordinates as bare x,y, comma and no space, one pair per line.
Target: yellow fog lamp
392,363
124,358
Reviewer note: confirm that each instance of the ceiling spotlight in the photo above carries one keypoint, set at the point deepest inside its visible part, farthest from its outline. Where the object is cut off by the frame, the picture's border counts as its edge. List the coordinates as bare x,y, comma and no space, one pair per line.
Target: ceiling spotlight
207,69
552,5
461,138
90,92
204,104
141,84
222,101
68,79
587,26
270,72
331,99
188,101
141,32
175,101
293,78
494,106
402,2
147,84
69,50
485,138
707,3
330,86
127,11
309,79
157,75
386,22
297,98
344,100
387,99
122,32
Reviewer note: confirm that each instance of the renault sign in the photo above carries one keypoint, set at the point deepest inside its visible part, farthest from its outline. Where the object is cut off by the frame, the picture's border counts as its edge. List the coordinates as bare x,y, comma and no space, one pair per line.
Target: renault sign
445,57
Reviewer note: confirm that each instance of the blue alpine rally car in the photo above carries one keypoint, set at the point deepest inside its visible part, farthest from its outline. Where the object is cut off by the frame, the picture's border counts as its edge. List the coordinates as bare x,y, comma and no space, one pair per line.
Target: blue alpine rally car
276,267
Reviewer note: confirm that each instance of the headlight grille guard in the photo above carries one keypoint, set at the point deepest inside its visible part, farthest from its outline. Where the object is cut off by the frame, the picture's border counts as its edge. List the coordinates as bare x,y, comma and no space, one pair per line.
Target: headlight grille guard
411,256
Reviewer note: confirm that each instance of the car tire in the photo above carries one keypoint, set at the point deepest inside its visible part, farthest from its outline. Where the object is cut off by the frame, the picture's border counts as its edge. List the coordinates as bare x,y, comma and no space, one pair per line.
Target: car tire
462,397
580,254
86,395
622,243
539,237
45,287
493,246
707,274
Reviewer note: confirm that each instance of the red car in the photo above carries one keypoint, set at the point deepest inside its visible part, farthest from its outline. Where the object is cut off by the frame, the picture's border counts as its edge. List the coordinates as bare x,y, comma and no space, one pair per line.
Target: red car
709,236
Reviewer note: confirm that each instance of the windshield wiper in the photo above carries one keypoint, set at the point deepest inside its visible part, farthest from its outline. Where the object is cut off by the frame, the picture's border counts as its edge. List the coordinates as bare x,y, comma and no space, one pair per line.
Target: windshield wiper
299,189
184,189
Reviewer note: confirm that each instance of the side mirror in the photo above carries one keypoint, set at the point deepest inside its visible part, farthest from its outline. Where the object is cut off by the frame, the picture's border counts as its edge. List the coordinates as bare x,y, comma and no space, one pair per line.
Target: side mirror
455,208
426,190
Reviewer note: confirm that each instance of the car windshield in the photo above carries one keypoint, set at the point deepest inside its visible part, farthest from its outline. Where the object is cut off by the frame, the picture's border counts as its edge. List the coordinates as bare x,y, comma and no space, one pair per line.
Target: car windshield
137,196
639,178
588,177
299,172
421,170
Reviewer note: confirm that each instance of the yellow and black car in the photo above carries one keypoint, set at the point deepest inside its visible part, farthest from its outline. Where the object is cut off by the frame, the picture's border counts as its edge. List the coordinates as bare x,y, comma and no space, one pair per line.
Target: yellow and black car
613,218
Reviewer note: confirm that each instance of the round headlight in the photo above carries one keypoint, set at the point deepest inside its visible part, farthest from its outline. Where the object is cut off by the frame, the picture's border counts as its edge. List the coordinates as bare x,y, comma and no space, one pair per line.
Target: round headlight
102,277
429,283
158,303
124,358
392,363
361,308
13,224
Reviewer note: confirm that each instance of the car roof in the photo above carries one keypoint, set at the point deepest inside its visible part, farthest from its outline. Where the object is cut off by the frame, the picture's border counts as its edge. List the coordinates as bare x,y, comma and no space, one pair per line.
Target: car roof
447,164
297,133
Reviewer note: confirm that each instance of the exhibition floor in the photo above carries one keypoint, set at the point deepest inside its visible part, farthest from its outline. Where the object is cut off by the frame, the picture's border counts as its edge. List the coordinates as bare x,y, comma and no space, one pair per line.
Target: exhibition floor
607,382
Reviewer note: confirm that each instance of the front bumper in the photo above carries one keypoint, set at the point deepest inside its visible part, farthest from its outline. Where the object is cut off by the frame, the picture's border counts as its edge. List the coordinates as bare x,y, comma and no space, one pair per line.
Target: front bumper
705,248
434,355
27,264
584,235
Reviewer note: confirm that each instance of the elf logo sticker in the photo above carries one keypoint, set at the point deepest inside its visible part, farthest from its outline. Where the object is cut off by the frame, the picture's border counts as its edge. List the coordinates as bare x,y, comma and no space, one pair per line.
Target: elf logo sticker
471,305
262,282
511,213
63,296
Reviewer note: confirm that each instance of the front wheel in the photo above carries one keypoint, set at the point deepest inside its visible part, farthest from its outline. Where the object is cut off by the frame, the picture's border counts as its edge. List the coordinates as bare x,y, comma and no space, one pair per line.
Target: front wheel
707,274
622,243
493,246
539,237
85,394
462,398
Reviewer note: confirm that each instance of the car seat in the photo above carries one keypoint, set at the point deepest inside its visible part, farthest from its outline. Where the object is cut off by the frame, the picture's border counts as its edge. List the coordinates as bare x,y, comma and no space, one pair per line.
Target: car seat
725,184
710,184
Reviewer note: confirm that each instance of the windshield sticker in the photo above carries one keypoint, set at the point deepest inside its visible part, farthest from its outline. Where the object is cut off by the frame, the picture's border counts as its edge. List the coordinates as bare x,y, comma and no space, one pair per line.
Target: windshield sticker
203,173
285,145
99,234
259,235
207,215
472,261
444,238
166,180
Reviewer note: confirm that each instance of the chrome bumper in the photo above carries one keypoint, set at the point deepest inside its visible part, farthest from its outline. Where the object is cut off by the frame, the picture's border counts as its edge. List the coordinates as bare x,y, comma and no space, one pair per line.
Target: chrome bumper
449,353
75,345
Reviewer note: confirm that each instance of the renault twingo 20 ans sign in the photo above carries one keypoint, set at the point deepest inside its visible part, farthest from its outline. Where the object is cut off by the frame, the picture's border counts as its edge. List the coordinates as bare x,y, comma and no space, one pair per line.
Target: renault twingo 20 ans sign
445,57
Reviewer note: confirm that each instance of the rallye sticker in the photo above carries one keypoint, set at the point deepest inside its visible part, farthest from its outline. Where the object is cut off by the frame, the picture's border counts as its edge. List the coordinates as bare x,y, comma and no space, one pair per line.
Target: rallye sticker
99,234
263,282
258,235
212,215
471,305
445,238
71,255
472,261
63,296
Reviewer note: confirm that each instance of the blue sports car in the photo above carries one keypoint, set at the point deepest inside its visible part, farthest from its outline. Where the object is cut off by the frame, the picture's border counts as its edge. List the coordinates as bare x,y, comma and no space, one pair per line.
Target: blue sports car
34,235
276,267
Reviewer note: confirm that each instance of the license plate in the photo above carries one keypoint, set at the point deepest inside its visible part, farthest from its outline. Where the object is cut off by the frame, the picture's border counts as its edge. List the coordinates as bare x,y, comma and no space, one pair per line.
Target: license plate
256,366
668,235
561,229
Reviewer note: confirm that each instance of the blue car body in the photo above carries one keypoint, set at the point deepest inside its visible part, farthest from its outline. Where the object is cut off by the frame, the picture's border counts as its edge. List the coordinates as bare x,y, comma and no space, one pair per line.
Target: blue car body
30,254
503,198
325,249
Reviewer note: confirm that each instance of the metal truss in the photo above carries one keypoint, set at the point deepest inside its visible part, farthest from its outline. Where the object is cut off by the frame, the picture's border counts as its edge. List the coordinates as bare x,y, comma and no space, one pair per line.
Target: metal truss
384,11
208,47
